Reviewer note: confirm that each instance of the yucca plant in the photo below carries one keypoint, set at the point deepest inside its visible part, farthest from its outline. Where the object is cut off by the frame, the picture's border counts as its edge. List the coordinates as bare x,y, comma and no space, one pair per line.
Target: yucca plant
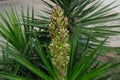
86,15
27,57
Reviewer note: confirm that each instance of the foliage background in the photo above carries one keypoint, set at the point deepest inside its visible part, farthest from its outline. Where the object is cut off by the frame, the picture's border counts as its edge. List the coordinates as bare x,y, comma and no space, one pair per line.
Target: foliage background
19,40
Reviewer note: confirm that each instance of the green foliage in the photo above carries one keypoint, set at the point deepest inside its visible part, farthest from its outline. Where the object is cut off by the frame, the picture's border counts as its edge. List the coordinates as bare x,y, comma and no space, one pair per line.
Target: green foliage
25,43
117,50
87,14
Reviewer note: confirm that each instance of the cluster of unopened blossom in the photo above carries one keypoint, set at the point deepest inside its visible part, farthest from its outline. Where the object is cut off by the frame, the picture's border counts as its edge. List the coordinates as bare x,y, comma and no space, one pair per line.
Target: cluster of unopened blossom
59,47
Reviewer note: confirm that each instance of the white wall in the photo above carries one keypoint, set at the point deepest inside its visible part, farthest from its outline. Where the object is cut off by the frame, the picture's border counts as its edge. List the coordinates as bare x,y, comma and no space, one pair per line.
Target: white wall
116,3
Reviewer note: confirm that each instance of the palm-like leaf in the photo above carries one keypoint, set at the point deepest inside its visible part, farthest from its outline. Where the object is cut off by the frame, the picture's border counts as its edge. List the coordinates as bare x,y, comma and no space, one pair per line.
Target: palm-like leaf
26,52
12,77
87,14
17,40
19,53
11,31
81,70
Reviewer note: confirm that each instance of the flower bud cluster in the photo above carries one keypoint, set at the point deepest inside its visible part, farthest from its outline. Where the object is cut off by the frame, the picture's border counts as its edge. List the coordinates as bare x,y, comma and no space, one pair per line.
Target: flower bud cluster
59,46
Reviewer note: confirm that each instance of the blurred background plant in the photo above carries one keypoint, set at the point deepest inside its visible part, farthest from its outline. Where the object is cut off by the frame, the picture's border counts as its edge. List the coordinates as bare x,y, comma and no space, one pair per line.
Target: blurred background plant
26,38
